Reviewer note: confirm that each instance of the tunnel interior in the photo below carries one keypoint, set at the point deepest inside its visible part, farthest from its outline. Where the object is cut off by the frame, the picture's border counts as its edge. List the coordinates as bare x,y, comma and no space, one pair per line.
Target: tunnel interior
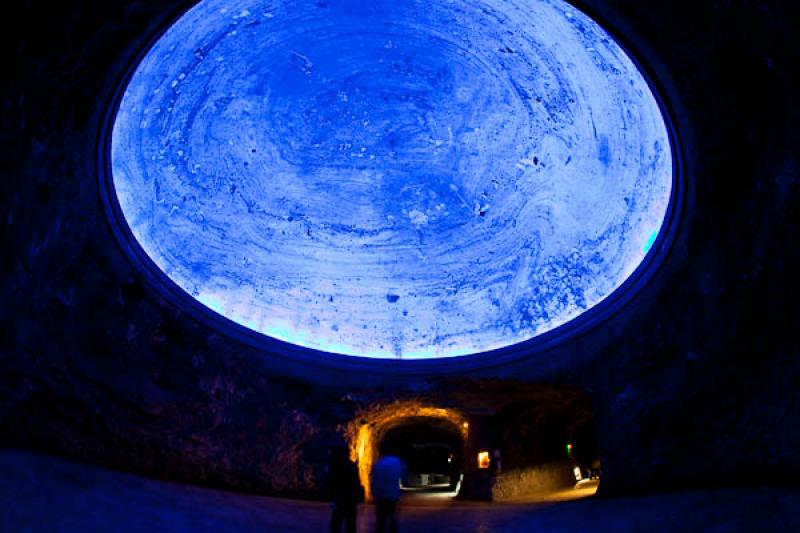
540,434
508,441
432,450
542,447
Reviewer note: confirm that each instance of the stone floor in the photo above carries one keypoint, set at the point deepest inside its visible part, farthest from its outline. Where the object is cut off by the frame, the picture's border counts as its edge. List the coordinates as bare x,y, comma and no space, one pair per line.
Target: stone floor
42,493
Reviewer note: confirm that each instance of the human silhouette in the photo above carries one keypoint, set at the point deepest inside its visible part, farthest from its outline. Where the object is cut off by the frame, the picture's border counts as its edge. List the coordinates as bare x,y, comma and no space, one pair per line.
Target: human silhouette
344,490
386,476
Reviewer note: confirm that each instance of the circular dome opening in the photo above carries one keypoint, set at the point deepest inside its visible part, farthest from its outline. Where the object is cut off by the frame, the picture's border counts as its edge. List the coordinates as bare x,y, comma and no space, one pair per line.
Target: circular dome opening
393,180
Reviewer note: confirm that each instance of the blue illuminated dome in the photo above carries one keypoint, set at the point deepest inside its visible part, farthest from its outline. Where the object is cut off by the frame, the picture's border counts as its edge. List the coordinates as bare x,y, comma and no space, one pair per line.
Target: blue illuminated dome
393,178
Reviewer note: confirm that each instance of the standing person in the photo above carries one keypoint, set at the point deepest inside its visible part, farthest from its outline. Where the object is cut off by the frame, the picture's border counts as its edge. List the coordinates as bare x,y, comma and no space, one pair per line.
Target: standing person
344,489
386,476
454,471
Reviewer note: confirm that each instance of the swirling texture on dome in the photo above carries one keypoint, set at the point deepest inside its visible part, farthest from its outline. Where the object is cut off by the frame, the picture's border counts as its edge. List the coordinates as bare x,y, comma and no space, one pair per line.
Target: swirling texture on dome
392,178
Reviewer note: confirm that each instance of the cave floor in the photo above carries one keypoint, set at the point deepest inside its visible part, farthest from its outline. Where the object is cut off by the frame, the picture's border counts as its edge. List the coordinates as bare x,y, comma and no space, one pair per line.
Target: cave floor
42,493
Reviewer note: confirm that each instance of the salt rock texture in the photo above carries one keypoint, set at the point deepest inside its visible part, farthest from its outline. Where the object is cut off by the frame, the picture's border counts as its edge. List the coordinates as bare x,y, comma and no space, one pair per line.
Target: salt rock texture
392,179
696,381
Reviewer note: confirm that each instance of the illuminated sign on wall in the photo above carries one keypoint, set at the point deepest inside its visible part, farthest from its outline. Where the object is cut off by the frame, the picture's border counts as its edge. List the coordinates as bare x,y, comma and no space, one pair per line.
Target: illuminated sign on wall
483,459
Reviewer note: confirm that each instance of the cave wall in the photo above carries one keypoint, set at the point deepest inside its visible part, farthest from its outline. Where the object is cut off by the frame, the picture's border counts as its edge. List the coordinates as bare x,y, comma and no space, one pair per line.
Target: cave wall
532,439
534,481
695,381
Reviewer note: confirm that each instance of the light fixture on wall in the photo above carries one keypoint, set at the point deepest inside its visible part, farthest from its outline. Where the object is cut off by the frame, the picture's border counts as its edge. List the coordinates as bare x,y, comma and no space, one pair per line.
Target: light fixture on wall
483,459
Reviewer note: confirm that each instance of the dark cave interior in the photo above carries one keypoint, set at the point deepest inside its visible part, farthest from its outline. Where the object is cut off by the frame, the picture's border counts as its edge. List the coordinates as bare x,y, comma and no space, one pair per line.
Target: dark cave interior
691,383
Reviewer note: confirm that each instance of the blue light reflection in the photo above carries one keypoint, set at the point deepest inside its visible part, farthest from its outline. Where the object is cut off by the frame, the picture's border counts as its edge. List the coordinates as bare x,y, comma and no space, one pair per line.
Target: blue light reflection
392,178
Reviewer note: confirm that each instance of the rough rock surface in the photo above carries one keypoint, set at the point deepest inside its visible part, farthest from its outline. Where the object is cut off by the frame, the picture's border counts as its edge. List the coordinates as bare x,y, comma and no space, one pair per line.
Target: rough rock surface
695,381
525,483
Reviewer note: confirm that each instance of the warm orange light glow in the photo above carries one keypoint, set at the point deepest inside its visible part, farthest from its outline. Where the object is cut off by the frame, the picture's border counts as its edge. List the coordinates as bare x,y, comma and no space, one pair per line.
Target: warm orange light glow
483,459
365,432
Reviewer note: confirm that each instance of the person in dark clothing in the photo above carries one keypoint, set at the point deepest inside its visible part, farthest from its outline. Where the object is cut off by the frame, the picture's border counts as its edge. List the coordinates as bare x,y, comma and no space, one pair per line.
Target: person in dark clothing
344,490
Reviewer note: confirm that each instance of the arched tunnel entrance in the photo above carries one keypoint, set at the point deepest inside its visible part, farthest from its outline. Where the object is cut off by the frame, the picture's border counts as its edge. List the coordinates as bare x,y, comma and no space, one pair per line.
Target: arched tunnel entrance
508,441
415,428
433,452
